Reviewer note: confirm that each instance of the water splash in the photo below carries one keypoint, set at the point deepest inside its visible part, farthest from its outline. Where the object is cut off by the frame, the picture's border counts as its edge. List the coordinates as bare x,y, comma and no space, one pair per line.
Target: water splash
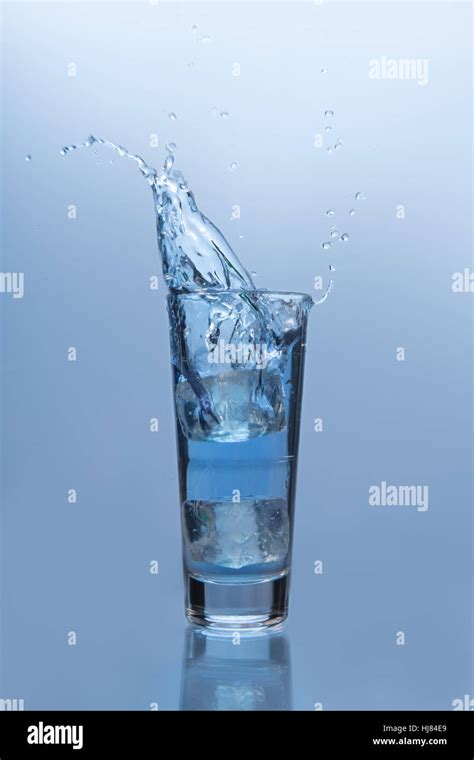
196,258
195,254
326,293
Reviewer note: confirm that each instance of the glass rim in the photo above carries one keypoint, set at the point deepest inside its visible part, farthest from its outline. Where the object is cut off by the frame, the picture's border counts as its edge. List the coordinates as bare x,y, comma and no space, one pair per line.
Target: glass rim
240,291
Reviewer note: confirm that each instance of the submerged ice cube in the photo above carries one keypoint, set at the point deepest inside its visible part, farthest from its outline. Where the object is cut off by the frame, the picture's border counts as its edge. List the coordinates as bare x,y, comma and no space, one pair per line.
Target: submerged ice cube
237,535
243,404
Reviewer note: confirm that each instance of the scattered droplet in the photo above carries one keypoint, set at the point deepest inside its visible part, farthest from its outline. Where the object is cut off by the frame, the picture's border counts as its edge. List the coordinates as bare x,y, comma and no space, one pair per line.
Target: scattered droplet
344,237
205,40
326,245
333,227
334,233
171,146
338,144
327,128
168,165
241,236
64,151
194,29
330,212
233,165
360,196
172,116
224,115
329,113
329,149
28,157
352,212
254,274
332,268
324,70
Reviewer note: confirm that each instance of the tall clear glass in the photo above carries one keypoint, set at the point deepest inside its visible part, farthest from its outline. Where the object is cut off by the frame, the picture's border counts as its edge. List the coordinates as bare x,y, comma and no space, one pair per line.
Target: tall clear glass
238,360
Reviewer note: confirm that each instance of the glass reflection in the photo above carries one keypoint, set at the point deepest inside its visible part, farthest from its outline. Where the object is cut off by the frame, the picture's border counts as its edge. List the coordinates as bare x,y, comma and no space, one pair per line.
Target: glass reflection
236,673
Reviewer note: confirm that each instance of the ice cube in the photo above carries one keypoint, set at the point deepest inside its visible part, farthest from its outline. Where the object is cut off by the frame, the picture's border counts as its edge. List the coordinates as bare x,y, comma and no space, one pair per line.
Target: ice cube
237,535
244,404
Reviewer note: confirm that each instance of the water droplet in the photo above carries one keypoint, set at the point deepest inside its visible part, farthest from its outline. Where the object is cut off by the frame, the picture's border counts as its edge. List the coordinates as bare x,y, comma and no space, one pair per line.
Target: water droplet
190,64
254,274
352,212
64,151
329,149
171,146
338,144
213,110
333,227
326,245
241,236
334,234
205,40
233,165
28,157
194,29
168,165
360,196
329,113
332,268
327,128
225,115
172,116
330,212
344,237
324,70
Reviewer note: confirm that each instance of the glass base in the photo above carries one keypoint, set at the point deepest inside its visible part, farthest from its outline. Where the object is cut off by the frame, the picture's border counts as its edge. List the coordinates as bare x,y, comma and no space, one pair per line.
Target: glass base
237,606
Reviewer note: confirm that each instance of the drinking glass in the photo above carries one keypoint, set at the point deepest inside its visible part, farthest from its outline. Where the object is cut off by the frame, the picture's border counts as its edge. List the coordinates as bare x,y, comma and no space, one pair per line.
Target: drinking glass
238,360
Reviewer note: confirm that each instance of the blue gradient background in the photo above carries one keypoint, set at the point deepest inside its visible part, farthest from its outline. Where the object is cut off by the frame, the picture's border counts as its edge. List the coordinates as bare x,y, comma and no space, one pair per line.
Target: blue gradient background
85,425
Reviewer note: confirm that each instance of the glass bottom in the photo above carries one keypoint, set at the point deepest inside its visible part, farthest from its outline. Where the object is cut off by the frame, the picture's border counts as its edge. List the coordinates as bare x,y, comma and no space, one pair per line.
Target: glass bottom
237,606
